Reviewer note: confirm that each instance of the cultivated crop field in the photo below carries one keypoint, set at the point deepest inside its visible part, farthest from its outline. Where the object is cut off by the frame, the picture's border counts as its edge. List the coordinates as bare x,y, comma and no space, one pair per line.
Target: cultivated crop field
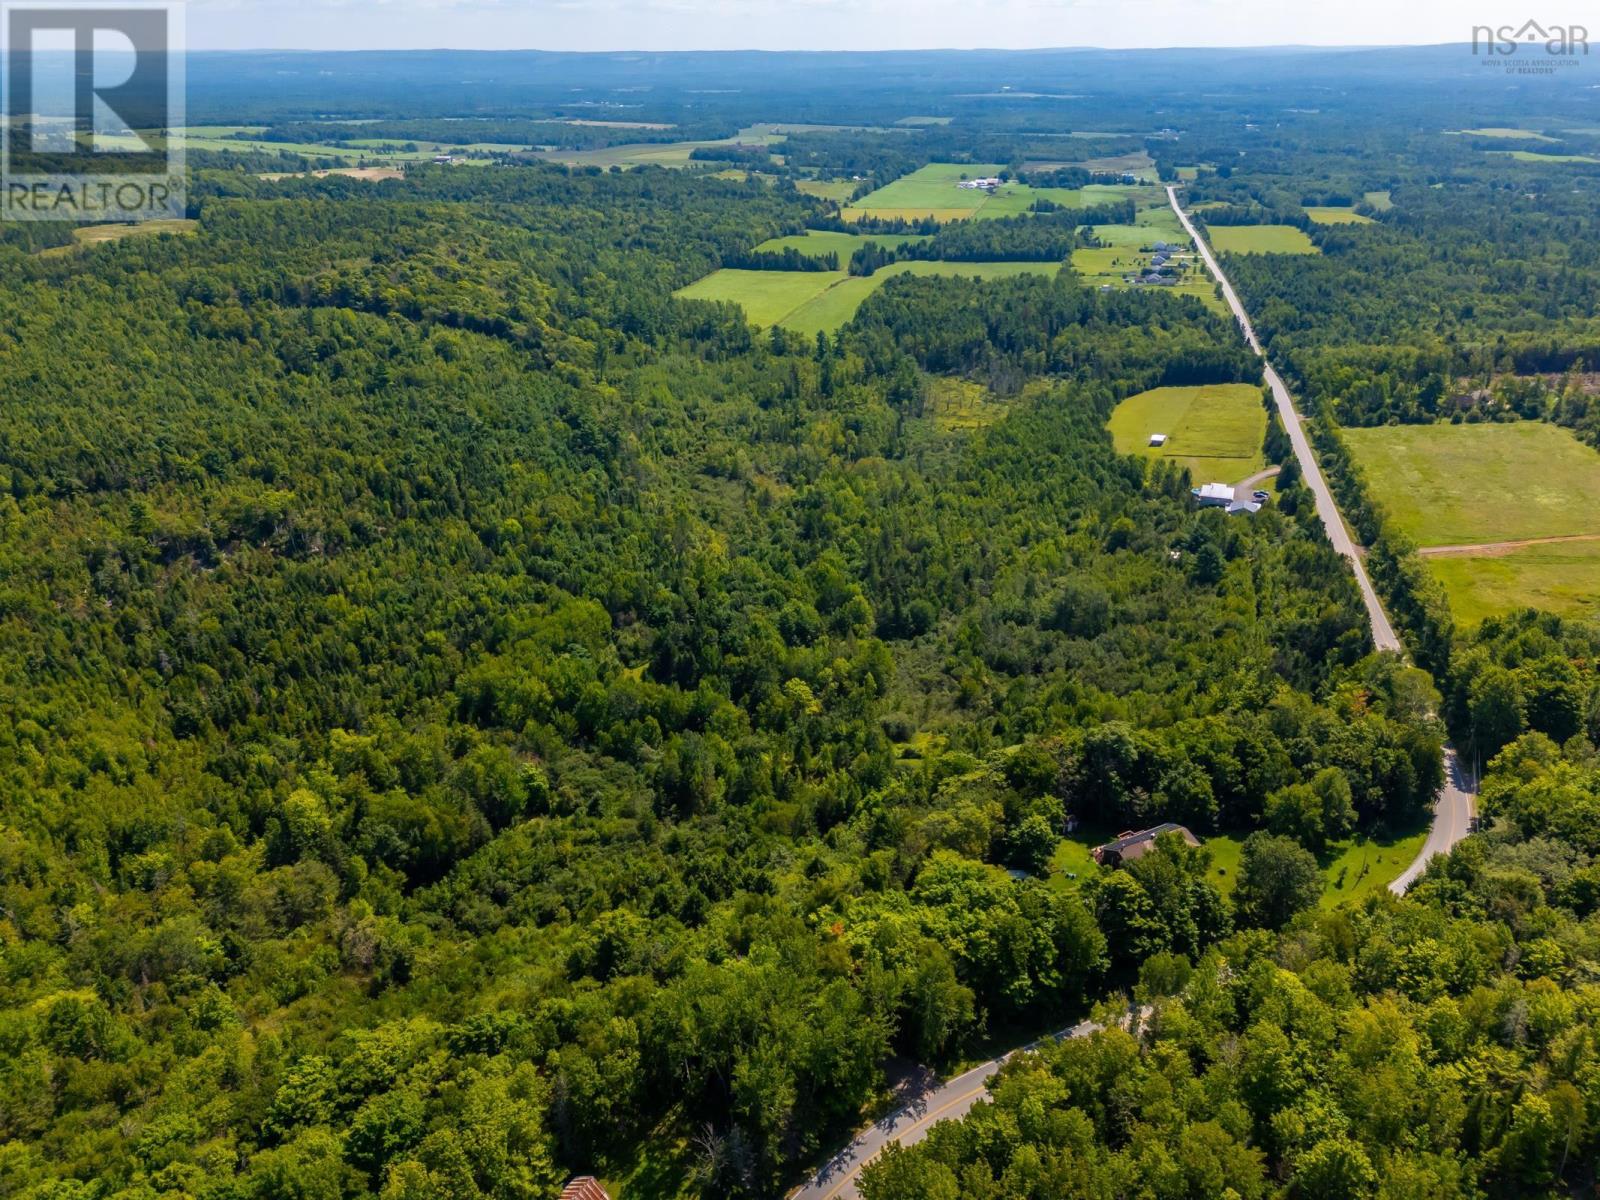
1331,215
810,302
1260,239
1215,430
1489,488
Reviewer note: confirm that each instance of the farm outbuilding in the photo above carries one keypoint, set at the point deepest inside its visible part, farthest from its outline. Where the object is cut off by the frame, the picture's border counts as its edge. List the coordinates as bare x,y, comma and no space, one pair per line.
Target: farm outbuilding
1158,439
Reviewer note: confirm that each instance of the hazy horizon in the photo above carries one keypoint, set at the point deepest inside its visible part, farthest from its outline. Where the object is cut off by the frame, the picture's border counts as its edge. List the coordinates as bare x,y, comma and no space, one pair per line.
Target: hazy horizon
654,26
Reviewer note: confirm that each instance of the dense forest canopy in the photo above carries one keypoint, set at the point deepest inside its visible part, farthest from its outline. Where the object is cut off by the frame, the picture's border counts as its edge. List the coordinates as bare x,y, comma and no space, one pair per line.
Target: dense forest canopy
470,717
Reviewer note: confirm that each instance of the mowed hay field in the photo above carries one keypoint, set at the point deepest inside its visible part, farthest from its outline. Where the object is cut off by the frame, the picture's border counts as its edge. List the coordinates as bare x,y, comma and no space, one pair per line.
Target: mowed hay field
1483,486
1558,577
1215,430
810,302
1329,215
828,241
1260,239
934,191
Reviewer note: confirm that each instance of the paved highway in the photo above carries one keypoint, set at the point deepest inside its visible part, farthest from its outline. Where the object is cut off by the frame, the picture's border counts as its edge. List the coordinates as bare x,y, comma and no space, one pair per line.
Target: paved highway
1453,811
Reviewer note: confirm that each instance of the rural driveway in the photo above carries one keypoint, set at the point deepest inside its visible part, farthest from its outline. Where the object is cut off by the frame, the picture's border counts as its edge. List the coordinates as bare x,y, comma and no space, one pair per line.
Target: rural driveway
909,1124
1453,810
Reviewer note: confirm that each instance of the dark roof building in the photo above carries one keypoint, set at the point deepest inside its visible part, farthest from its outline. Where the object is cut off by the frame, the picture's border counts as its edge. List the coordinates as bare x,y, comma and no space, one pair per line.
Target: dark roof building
1129,846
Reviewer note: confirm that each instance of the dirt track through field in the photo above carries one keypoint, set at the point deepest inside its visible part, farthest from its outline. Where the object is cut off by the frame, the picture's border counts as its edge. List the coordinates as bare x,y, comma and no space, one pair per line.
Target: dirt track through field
1496,549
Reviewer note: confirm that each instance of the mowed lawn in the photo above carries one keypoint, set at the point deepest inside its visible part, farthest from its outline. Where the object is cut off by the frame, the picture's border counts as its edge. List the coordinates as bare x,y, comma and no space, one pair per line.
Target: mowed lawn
821,301
1260,239
1446,485
1559,577
1106,266
1215,430
1351,870
1331,215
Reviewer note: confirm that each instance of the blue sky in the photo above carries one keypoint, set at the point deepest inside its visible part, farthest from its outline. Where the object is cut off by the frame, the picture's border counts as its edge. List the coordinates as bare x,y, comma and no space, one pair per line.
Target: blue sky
838,24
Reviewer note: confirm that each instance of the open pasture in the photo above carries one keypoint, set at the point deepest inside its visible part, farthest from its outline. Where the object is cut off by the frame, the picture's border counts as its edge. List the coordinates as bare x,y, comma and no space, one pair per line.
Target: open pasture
1260,239
1332,215
1215,430
820,301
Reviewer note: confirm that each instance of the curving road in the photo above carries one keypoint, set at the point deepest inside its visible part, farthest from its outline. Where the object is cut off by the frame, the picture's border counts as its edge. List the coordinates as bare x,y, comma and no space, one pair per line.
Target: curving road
1453,810
909,1124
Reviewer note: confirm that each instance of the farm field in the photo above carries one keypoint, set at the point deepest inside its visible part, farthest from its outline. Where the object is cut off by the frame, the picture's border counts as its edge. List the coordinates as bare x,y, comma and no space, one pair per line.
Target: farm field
1535,156
1215,430
933,188
830,309
837,190
1445,485
1260,239
1331,215
932,191
1560,577
1503,131
636,154
824,241
820,301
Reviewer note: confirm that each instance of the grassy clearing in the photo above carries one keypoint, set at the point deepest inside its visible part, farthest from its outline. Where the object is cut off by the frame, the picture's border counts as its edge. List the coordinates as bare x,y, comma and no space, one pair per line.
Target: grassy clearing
1446,485
1215,430
960,405
824,241
637,154
767,297
1535,156
1560,578
820,301
94,235
834,307
1330,215
837,190
1260,239
1379,200
1503,131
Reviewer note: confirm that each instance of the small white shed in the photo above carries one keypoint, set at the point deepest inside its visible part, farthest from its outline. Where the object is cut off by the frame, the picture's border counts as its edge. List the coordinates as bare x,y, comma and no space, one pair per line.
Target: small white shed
1158,439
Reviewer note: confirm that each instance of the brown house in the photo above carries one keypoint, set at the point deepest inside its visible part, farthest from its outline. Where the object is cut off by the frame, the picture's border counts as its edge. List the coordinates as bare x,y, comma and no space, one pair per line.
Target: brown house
1129,846
584,1187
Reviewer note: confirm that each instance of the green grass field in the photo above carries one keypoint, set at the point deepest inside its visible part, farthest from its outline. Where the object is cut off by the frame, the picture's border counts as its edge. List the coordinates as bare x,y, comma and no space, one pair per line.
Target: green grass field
1534,156
1445,485
1562,577
809,302
1379,200
1504,131
1329,215
636,154
837,190
1259,239
933,188
1215,430
824,241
